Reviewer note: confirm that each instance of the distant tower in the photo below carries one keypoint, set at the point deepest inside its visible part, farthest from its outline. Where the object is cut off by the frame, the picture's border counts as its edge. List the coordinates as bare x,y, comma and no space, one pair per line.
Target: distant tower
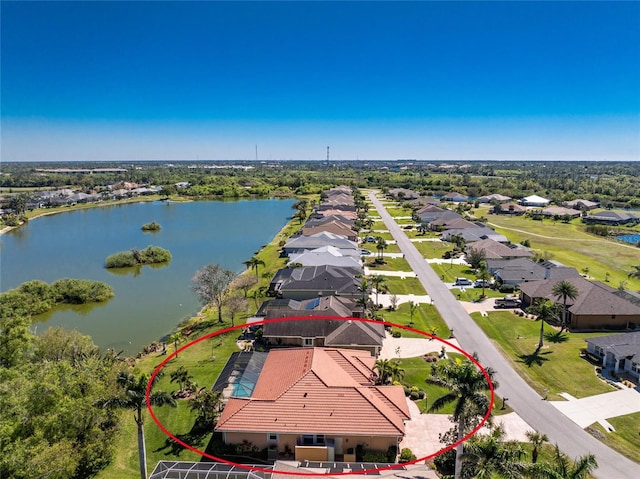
327,155
256,152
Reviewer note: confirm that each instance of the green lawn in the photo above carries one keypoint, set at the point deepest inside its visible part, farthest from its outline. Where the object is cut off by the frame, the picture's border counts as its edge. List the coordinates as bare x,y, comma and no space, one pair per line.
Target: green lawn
426,318
572,246
558,367
449,272
397,285
625,437
432,249
390,264
396,211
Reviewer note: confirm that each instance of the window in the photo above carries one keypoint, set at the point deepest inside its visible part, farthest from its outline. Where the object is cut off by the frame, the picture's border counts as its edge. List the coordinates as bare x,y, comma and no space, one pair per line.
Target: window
308,341
272,437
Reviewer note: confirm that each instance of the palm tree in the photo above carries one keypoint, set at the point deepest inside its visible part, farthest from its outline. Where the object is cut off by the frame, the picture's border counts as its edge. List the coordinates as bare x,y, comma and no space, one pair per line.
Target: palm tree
545,310
133,396
181,376
565,290
253,263
561,467
537,440
381,245
488,456
364,288
467,386
208,405
388,371
483,275
378,282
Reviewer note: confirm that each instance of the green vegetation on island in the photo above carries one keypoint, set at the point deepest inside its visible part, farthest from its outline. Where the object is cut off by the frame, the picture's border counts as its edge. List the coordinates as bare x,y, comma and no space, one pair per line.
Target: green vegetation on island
135,257
36,297
152,227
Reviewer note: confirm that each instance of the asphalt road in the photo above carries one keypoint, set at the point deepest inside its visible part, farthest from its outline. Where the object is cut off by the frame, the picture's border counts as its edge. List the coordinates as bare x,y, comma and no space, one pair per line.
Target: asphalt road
537,412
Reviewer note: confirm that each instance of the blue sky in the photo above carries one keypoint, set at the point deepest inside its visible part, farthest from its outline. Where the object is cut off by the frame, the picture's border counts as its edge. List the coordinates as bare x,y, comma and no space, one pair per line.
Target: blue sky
373,80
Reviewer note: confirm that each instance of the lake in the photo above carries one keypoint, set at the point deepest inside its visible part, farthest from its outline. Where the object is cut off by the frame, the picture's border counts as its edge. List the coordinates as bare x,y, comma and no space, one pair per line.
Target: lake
149,301
633,239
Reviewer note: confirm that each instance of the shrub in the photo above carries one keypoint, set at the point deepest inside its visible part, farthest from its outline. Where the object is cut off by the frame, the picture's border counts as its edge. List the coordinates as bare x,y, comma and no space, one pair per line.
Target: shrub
407,455
396,334
374,456
414,395
392,452
149,255
80,291
507,288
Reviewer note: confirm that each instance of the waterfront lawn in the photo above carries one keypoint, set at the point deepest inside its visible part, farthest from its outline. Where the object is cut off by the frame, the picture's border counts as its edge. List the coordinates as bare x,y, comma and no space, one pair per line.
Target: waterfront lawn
397,285
625,437
572,246
558,367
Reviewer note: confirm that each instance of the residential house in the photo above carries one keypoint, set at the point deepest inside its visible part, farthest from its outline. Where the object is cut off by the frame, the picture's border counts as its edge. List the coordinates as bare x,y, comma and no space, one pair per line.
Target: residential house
597,306
319,213
560,211
323,220
327,255
518,271
472,234
300,244
613,218
447,223
455,197
620,352
403,194
534,200
509,209
313,281
334,227
497,250
319,403
582,204
321,331
341,306
495,198
432,213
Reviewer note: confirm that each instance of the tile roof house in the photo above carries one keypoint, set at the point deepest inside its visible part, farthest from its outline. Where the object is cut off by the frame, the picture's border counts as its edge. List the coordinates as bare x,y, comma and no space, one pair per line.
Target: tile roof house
319,331
320,403
403,193
620,352
321,306
450,222
582,204
329,256
323,220
494,197
310,282
611,218
319,213
519,271
300,244
597,306
472,234
561,211
455,197
509,209
334,227
496,250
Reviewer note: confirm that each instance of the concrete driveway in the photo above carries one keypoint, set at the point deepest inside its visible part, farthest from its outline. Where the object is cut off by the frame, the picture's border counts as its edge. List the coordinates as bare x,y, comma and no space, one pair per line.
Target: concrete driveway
600,407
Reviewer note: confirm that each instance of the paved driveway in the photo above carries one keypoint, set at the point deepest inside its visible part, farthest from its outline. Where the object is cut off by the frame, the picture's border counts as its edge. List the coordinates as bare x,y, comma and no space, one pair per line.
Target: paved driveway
600,407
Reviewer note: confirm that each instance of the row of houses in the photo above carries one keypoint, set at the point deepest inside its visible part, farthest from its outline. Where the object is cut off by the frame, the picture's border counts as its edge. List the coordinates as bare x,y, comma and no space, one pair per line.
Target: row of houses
313,395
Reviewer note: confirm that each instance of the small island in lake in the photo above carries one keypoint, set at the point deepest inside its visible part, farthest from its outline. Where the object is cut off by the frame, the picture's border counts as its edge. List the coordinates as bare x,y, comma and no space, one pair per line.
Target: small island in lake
135,257
151,227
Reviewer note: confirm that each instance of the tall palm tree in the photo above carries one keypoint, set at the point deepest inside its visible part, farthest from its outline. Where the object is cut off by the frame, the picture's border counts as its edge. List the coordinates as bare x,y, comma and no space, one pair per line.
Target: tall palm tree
378,282
565,290
412,310
561,467
253,263
545,310
381,245
132,396
467,386
182,377
483,275
365,289
536,439
388,371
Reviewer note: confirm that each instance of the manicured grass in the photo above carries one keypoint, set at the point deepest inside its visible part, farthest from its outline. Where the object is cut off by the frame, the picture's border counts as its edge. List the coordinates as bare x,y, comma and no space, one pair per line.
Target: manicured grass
433,249
449,272
397,285
396,211
625,437
426,318
390,264
557,367
375,234
572,246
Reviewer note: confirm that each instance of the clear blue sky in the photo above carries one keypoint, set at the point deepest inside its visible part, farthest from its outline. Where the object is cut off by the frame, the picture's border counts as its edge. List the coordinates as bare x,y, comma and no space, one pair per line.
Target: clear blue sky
373,80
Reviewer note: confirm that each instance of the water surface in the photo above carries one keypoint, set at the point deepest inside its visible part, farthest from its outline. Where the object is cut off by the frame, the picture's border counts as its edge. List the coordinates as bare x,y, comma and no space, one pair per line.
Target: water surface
151,300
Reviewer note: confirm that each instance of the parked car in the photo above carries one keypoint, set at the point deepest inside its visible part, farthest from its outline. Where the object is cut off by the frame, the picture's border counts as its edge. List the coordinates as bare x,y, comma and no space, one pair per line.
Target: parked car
480,284
370,239
365,252
463,282
508,302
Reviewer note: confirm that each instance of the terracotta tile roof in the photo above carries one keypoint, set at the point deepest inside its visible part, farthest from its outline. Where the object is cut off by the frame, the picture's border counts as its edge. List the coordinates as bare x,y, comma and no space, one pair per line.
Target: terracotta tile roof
318,391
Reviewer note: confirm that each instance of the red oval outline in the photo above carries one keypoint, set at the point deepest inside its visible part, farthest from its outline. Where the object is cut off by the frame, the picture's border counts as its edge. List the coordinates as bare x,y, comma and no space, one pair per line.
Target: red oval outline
306,318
